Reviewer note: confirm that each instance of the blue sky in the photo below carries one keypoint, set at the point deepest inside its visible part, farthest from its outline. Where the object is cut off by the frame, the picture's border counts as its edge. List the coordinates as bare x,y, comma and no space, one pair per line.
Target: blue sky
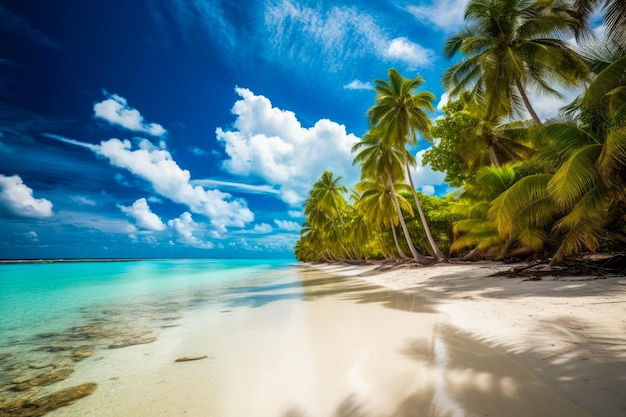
192,128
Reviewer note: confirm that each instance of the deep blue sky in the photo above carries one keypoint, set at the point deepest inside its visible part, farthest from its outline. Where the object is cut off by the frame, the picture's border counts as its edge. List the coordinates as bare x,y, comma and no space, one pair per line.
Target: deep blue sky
186,128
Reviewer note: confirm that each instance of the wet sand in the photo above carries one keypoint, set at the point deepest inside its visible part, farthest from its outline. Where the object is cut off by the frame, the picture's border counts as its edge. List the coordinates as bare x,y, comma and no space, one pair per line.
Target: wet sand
322,345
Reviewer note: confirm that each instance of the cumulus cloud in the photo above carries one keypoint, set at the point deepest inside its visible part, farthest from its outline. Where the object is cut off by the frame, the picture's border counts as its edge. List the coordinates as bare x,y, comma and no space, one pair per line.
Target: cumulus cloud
447,15
115,110
427,189
187,231
358,85
288,225
143,216
295,213
271,144
413,54
443,101
156,166
262,228
424,178
548,106
17,198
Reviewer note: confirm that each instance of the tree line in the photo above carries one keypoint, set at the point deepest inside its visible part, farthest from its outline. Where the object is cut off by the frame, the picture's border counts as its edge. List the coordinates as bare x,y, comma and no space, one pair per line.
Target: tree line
551,189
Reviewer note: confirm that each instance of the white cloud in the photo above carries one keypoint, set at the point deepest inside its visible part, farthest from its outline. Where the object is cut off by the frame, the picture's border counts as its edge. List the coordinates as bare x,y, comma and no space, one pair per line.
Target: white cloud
18,199
33,236
295,213
186,228
271,144
447,15
331,37
427,189
253,189
83,201
156,166
413,54
262,228
548,106
288,225
358,85
116,110
424,178
445,98
90,220
140,212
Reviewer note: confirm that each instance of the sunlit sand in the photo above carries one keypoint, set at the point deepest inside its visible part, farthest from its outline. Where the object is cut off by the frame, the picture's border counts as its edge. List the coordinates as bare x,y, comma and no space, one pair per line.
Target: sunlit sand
459,344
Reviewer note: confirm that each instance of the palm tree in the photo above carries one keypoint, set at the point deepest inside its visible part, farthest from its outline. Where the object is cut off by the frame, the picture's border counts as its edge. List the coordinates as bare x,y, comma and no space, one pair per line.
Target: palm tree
509,46
398,116
325,210
475,229
329,194
614,16
378,205
379,158
584,193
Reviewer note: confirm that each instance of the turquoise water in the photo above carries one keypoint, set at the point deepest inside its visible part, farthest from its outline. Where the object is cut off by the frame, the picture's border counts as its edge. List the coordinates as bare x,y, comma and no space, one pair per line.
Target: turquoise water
52,297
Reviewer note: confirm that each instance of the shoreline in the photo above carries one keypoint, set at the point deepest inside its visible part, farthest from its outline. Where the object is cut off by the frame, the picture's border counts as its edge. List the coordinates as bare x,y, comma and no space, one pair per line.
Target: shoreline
569,331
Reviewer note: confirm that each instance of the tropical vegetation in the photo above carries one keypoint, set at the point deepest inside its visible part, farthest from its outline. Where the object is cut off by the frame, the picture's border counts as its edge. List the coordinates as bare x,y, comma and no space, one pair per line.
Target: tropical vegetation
525,187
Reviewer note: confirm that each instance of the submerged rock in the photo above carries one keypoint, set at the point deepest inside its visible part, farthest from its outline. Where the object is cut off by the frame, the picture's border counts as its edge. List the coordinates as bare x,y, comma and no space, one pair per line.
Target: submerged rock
42,379
5,355
82,352
61,348
131,342
41,365
40,406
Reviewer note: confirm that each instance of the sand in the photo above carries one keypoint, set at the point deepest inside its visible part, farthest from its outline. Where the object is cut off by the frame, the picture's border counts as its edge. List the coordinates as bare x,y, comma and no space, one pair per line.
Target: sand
569,331
345,341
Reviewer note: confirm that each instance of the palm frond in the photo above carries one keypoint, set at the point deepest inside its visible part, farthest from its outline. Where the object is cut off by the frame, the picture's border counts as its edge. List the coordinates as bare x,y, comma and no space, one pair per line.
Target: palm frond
577,175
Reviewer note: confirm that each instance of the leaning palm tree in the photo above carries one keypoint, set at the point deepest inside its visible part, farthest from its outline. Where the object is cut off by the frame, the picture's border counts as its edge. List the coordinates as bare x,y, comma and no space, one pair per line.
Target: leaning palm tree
378,205
398,116
510,46
377,159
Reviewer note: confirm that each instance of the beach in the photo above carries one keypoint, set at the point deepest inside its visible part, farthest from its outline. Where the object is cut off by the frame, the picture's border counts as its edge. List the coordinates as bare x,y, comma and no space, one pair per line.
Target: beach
364,341
569,331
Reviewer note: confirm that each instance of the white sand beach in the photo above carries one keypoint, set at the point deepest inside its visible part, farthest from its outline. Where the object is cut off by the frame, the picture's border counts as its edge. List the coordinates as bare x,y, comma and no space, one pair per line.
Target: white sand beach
356,341
569,331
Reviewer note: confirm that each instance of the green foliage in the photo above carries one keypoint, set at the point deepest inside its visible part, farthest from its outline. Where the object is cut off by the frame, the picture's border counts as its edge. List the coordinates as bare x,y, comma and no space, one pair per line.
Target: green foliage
552,190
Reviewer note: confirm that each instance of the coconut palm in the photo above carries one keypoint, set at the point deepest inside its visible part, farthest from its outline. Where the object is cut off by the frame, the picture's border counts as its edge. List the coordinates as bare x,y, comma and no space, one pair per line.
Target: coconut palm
325,209
614,16
584,194
509,46
329,194
377,159
475,229
398,116
378,206
489,141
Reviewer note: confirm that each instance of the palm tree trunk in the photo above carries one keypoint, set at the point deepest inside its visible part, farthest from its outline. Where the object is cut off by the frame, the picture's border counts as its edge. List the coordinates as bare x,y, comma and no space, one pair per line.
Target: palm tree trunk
493,157
439,256
530,109
419,258
395,240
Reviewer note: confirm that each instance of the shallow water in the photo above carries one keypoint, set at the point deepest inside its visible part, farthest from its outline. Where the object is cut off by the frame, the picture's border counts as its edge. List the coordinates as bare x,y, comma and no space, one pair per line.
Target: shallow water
280,340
